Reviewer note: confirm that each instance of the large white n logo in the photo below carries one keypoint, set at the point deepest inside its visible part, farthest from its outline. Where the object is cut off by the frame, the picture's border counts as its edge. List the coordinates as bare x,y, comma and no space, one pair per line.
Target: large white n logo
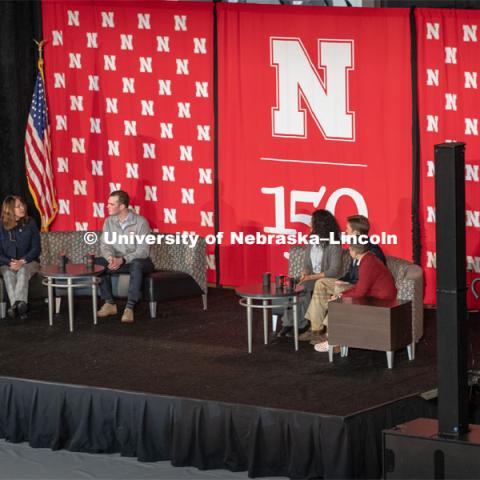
326,99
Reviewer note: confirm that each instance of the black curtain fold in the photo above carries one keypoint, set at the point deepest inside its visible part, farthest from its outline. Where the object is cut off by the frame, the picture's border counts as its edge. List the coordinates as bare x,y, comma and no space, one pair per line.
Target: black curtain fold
416,229
20,23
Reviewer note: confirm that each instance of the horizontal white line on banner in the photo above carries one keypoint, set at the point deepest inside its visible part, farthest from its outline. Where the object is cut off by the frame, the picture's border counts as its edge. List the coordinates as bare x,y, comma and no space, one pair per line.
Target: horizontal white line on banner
289,160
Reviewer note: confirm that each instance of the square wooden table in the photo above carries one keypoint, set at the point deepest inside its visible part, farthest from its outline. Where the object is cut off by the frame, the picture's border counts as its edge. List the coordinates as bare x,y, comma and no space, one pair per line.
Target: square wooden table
371,324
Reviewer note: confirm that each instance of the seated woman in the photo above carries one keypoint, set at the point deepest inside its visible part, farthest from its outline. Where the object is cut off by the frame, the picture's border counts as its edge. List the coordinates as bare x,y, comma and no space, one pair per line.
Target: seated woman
374,281
323,266
19,252
323,262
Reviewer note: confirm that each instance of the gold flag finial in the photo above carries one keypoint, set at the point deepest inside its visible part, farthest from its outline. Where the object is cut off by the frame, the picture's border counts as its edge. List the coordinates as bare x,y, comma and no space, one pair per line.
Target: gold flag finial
40,44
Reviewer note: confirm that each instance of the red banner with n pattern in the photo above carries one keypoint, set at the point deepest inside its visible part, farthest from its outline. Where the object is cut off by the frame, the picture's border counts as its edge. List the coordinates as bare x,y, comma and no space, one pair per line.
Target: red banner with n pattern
130,89
449,106
314,112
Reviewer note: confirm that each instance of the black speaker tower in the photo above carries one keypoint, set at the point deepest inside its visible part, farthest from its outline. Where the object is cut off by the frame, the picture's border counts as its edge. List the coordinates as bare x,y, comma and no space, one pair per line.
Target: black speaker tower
451,289
449,447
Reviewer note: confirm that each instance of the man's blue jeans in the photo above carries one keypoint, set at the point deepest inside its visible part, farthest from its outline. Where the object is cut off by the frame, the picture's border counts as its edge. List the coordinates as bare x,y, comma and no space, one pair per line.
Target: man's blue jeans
136,268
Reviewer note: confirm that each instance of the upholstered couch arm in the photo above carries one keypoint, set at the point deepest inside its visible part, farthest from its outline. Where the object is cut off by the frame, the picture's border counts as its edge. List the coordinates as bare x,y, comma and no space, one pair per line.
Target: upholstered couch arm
183,258
296,261
409,282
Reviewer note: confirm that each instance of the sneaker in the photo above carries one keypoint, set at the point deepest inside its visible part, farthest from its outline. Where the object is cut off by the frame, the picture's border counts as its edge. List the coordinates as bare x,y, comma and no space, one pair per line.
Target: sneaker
324,346
321,347
127,316
107,310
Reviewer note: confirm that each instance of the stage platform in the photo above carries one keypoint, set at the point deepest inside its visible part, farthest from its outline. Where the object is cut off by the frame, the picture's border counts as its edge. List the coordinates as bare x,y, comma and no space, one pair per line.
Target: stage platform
183,387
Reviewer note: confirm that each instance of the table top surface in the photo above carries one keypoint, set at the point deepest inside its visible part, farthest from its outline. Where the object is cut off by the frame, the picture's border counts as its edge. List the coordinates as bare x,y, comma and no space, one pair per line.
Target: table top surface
371,302
257,290
71,270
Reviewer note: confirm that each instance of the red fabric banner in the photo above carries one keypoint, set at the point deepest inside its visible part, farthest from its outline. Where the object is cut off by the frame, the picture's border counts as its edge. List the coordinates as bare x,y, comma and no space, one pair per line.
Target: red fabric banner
314,112
130,91
449,107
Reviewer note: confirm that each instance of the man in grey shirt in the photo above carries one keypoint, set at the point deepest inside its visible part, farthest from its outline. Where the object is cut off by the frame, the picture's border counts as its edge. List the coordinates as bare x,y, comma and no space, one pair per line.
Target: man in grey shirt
130,257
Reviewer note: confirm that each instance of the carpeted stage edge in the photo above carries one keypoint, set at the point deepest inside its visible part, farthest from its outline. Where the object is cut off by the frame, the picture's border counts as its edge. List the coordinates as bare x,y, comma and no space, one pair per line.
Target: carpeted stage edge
183,387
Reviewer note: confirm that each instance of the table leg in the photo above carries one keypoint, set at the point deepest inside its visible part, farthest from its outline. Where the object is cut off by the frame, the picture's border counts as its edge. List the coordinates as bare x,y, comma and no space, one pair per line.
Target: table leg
249,324
94,299
295,322
265,322
70,303
50,301
390,356
330,353
411,351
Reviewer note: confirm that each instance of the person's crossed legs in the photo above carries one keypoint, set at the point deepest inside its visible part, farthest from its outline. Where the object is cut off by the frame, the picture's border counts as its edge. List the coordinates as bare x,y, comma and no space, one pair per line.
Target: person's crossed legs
137,268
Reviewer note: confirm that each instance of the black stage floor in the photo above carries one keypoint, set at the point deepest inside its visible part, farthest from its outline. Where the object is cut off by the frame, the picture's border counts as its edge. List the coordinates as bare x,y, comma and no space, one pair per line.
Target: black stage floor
183,387
200,354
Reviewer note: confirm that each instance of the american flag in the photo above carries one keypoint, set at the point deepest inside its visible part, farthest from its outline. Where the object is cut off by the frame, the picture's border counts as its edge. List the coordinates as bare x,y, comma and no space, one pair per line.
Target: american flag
37,155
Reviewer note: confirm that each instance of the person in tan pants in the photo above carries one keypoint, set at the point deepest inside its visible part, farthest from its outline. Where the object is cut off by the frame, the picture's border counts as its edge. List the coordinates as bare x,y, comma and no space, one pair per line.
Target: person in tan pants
327,288
317,313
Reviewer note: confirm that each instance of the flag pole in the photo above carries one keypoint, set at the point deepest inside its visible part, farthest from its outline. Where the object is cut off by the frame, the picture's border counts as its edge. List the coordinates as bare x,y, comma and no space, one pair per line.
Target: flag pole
44,185
40,45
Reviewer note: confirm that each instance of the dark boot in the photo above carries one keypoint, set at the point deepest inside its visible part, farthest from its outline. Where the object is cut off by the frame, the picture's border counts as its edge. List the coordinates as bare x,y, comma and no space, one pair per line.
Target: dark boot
22,309
12,311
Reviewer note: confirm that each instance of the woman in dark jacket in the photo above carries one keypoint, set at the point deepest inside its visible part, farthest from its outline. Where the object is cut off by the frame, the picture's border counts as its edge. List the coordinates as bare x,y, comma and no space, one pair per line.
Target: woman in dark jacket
19,252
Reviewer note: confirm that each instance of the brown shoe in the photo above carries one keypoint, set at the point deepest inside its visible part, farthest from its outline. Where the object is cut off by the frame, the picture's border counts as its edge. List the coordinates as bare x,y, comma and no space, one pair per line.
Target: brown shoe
127,316
318,338
107,310
308,335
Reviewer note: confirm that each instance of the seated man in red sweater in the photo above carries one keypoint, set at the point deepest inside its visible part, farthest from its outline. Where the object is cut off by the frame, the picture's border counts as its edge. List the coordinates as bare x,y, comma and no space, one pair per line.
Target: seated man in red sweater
374,281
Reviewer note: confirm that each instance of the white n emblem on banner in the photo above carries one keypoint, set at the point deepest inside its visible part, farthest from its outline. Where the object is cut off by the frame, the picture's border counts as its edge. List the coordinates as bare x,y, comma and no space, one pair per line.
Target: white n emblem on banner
326,99
433,31
92,40
62,164
470,79
61,122
97,167
471,126
107,20
60,80
81,226
151,193
450,101
64,207
469,33
432,77
98,210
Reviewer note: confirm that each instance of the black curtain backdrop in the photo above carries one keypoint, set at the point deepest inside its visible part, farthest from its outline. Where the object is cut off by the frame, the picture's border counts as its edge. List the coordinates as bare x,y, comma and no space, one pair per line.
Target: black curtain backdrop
20,23
416,231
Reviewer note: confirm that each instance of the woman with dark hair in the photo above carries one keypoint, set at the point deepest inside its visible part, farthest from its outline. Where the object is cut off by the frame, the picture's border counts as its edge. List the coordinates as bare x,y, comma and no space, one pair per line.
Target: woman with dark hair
322,260
323,266
19,252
